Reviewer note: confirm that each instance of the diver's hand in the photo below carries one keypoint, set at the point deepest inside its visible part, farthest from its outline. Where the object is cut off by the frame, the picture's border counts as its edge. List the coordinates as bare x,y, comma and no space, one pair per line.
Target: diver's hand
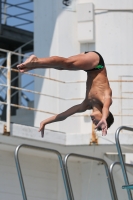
103,125
42,128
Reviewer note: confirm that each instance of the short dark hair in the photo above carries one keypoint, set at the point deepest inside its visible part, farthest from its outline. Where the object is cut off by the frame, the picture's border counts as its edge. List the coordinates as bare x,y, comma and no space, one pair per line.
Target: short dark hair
110,121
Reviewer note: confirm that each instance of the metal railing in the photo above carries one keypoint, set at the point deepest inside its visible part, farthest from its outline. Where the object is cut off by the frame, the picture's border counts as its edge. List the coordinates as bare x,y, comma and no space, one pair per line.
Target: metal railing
121,157
110,184
6,82
43,149
112,167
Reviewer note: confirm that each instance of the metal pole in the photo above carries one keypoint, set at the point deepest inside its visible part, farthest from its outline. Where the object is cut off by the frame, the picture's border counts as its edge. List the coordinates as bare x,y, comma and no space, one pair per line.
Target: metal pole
5,11
0,16
112,167
44,149
111,174
120,100
19,76
113,194
8,111
121,157
20,174
110,183
68,177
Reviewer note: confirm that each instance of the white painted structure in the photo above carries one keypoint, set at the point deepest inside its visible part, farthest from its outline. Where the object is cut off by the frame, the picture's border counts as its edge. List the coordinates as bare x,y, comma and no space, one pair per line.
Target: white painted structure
61,31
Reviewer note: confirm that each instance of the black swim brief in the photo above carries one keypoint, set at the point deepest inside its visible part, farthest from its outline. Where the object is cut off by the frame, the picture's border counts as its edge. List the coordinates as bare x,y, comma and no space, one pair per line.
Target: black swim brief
101,63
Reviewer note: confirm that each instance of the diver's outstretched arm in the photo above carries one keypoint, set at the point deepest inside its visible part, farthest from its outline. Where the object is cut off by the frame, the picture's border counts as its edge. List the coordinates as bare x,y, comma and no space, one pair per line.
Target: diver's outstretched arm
62,116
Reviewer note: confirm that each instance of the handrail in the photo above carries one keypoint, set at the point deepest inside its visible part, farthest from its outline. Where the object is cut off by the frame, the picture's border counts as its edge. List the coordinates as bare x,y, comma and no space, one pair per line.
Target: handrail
112,167
47,150
121,157
111,186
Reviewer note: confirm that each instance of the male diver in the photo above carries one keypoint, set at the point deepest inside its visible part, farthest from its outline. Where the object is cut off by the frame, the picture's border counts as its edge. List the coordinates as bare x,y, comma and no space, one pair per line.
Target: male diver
98,96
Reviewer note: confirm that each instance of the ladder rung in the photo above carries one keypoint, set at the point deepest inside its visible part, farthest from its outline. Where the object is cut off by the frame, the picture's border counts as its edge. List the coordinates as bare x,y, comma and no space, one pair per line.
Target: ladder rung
127,187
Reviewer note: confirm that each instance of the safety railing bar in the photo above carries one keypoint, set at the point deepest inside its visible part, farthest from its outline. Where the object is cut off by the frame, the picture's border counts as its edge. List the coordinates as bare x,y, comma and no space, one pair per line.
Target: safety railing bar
36,75
121,157
4,85
118,163
111,187
112,167
20,174
66,82
14,53
111,174
108,9
22,103
22,92
27,108
69,181
43,149
33,109
35,92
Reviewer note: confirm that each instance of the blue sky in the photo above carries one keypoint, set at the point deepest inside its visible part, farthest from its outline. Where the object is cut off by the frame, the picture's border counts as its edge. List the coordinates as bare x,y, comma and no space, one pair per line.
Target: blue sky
19,12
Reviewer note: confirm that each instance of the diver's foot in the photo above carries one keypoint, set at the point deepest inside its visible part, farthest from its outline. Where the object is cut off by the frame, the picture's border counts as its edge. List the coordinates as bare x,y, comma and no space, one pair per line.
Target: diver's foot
29,64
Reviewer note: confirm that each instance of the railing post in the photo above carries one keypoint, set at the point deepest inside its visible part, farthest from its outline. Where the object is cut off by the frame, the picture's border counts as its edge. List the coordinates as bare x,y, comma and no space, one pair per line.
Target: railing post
8,111
121,157
110,183
19,77
0,16
68,194
120,100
